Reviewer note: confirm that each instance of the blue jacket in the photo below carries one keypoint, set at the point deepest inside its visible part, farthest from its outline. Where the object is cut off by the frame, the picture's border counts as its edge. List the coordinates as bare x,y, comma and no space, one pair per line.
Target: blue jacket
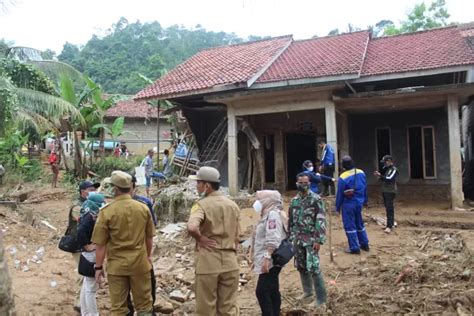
328,156
148,203
315,179
351,179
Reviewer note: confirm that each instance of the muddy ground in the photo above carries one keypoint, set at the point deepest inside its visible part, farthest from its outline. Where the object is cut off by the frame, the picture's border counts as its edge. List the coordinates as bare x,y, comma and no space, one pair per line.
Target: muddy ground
431,253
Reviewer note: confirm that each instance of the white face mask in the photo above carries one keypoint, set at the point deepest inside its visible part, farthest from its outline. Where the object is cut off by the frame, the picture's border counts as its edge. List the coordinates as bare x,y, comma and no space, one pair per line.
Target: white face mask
310,168
257,206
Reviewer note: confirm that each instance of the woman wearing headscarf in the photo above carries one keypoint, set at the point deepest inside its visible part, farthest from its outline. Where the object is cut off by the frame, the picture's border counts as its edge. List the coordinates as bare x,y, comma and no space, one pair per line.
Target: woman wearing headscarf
314,177
267,237
88,215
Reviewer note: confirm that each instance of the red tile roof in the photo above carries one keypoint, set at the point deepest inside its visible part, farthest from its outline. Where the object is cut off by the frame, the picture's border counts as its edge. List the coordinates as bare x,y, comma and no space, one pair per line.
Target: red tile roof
225,65
319,57
281,59
131,109
431,49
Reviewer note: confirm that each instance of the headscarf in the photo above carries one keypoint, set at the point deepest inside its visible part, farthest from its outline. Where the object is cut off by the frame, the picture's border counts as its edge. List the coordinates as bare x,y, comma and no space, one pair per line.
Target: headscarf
270,199
93,204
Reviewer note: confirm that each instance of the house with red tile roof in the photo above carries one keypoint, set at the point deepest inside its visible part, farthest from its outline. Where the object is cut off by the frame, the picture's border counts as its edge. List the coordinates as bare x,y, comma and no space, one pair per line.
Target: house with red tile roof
364,96
140,124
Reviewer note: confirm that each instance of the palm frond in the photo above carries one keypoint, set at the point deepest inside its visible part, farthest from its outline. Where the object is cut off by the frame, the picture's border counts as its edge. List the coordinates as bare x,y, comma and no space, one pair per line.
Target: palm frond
47,105
55,70
67,90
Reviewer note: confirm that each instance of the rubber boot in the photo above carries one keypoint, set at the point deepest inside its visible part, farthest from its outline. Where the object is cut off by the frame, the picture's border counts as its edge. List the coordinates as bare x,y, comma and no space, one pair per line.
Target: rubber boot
306,282
320,288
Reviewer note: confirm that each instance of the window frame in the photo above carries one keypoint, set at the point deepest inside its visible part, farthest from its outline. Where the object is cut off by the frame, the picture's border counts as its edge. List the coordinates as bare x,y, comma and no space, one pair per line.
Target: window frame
435,163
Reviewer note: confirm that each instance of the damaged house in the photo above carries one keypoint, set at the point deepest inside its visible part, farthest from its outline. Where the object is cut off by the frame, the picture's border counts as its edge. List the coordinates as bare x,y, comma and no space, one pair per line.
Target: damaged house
273,100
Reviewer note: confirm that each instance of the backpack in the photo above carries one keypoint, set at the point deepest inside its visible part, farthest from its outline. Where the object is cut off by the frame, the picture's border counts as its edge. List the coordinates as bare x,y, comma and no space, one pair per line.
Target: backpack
68,242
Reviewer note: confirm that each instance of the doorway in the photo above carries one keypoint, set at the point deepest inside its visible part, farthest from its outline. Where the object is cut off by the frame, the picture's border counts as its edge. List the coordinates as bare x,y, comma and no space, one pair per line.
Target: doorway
299,147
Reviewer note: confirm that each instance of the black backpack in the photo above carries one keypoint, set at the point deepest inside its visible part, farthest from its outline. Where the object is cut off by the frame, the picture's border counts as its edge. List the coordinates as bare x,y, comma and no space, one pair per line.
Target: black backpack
68,242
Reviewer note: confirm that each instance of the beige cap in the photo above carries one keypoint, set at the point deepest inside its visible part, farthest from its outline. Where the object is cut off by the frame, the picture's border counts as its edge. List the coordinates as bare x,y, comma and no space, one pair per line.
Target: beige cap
207,174
120,179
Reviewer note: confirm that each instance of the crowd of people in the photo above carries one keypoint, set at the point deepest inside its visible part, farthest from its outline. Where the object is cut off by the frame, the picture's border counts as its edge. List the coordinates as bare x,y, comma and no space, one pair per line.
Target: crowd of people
122,232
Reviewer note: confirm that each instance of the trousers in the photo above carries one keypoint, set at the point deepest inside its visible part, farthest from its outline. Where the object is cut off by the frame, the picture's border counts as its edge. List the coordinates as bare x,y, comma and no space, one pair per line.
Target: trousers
216,294
88,297
328,185
131,309
388,198
79,281
354,226
268,292
121,285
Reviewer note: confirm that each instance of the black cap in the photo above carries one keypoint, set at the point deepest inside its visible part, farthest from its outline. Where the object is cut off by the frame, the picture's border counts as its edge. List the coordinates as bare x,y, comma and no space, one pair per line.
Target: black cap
347,162
385,158
87,184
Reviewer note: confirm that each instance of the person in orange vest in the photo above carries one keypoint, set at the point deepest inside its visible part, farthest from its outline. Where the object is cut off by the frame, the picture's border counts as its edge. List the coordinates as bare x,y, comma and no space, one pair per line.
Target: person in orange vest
54,162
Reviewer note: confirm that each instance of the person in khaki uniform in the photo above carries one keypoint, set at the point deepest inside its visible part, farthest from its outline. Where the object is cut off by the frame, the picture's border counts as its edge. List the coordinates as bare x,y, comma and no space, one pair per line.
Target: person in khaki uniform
214,224
125,230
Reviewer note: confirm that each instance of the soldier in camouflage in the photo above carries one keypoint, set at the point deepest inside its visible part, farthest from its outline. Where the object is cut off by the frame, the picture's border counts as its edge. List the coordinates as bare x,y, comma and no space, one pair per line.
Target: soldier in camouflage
307,227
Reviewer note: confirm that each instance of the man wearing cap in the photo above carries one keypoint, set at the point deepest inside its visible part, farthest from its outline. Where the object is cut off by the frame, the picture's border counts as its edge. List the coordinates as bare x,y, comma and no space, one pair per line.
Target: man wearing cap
350,197
389,189
214,224
125,230
74,212
327,167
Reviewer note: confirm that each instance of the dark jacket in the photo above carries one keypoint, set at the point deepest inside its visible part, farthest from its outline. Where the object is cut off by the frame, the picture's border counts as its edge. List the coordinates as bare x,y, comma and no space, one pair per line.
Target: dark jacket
85,229
389,180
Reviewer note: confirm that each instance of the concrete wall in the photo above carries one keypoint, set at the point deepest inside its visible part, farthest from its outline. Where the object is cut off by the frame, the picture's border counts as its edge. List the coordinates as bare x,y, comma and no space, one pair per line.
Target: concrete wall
145,134
363,148
467,139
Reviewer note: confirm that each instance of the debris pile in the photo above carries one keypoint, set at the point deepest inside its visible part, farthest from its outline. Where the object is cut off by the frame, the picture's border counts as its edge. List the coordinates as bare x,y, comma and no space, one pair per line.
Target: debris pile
432,279
173,203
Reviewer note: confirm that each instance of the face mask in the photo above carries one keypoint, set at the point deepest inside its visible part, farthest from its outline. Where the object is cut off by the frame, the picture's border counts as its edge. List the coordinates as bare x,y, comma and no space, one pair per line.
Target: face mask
302,187
310,168
257,206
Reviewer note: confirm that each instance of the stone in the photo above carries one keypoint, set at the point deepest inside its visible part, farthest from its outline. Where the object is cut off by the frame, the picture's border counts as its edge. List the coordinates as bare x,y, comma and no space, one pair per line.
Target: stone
179,296
466,275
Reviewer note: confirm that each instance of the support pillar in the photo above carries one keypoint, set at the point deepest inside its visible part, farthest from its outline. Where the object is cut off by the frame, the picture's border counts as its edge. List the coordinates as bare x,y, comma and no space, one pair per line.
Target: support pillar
233,171
331,132
280,168
457,196
344,136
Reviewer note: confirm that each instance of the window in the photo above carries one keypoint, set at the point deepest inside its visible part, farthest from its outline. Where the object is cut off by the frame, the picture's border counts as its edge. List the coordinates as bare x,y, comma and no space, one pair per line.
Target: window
383,144
422,152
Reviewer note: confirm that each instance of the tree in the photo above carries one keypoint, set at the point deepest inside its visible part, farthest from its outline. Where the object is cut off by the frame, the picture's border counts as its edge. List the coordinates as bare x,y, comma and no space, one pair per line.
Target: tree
422,17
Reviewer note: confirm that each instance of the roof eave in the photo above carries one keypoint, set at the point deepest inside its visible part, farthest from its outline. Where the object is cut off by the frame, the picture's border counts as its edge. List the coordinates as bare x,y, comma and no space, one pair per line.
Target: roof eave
298,82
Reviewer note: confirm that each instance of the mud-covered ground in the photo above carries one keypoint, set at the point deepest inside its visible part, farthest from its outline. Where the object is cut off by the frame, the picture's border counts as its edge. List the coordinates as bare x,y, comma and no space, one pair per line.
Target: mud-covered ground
425,266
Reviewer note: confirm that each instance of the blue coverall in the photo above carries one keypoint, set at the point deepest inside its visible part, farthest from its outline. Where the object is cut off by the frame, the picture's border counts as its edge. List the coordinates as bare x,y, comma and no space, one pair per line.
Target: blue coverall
352,207
315,179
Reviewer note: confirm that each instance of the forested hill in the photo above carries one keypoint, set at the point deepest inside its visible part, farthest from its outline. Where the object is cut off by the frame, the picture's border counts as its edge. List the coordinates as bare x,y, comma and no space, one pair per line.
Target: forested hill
116,60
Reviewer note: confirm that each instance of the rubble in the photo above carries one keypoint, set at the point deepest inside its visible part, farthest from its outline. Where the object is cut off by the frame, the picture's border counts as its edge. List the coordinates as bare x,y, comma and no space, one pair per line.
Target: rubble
179,296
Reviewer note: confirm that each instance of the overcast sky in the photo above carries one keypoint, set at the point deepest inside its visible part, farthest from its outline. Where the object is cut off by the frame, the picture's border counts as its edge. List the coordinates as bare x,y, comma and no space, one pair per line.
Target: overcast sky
46,24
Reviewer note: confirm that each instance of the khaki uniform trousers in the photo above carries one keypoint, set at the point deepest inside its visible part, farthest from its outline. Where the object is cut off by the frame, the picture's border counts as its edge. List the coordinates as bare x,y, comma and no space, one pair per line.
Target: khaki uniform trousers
77,298
139,285
216,294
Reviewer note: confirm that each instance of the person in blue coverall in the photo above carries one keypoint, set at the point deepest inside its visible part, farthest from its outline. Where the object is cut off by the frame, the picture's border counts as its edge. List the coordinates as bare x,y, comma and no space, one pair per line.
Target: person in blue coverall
351,196
327,167
314,178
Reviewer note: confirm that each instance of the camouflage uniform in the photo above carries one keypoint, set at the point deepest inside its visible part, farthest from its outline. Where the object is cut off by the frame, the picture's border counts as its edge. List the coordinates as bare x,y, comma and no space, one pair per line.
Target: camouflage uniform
307,226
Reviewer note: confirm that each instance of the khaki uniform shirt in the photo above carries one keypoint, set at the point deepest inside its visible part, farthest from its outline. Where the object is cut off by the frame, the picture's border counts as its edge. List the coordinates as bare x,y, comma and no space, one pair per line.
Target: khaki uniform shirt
218,219
123,226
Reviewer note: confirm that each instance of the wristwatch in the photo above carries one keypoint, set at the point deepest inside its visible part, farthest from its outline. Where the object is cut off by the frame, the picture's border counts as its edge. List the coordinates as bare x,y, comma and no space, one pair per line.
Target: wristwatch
97,268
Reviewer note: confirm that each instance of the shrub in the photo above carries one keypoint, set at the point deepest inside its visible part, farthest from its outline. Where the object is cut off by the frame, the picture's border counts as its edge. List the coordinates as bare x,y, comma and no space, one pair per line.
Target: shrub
104,167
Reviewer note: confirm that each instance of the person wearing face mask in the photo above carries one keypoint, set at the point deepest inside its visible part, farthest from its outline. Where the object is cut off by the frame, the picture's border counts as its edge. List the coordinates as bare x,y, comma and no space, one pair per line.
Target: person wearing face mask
350,197
307,227
389,189
267,237
314,178
124,229
214,224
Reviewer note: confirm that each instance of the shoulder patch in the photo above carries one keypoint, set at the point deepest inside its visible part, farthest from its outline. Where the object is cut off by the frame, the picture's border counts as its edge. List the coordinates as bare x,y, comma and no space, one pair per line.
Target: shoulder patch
195,208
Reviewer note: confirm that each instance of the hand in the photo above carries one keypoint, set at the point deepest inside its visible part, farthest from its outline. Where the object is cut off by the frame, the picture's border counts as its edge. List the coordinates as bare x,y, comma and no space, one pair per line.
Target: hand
206,243
99,276
265,265
316,247
377,174
89,247
334,180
